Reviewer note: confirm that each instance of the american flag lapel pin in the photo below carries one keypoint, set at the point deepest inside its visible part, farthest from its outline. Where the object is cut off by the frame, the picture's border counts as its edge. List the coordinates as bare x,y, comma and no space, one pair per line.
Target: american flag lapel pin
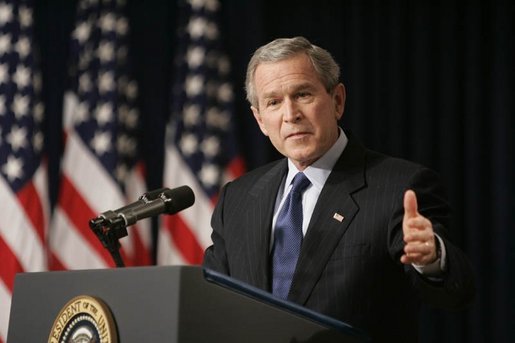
338,217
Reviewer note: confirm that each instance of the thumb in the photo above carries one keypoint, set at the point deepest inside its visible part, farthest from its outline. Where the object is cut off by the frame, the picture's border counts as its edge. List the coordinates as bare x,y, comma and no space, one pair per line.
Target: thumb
410,204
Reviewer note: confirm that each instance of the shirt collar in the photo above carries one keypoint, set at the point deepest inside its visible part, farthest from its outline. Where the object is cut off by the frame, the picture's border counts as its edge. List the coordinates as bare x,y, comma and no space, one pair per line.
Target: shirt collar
319,171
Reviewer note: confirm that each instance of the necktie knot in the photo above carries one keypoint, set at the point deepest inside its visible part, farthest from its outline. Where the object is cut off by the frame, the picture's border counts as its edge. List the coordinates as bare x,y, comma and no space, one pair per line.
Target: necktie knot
300,183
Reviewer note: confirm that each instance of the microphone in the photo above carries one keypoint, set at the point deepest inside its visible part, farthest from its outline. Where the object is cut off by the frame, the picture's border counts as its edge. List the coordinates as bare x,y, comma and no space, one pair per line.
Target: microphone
169,201
162,200
142,200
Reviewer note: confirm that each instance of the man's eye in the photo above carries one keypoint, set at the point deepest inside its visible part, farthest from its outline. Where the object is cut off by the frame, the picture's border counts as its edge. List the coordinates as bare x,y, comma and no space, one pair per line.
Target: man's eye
272,102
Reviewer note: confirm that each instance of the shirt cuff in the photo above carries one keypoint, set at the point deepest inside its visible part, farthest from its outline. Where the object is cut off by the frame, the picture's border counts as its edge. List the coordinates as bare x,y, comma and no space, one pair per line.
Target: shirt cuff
438,267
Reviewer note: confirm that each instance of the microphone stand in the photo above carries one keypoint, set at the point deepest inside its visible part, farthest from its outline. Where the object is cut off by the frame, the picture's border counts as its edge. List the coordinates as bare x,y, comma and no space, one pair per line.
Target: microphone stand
109,229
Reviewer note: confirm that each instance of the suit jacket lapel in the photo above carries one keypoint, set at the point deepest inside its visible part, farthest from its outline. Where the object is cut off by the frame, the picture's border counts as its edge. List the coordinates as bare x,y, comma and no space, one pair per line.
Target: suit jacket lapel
325,230
258,221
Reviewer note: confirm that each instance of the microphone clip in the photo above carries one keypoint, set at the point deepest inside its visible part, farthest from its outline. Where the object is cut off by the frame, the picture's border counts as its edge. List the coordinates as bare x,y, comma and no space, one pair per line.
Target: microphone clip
109,228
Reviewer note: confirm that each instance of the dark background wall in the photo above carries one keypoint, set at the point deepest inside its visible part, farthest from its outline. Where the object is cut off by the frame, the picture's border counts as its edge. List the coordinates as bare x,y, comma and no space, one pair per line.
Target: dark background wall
431,81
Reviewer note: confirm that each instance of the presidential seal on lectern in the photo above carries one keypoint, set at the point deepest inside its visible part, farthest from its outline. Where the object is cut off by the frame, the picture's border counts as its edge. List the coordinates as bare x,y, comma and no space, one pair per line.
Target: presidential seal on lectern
84,319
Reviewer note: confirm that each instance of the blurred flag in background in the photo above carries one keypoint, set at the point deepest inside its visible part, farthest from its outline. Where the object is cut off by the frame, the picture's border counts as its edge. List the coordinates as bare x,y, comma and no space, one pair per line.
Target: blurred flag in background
100,169
23,175
201,147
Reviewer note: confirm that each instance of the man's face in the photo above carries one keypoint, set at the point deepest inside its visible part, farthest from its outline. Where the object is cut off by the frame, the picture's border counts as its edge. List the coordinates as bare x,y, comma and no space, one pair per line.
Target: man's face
295,110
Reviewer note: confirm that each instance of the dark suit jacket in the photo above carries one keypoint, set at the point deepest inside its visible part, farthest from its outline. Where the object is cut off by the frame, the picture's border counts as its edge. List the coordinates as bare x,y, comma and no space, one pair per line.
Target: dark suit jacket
349,270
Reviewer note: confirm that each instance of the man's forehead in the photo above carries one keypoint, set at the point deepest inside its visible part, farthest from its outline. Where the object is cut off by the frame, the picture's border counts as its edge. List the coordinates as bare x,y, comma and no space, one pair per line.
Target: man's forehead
288,73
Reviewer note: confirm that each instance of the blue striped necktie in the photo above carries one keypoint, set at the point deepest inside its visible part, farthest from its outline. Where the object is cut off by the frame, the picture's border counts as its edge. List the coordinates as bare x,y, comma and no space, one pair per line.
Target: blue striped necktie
288,238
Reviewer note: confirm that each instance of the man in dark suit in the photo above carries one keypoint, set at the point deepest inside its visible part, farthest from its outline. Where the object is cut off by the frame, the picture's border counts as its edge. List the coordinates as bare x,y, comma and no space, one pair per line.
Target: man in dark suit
372,239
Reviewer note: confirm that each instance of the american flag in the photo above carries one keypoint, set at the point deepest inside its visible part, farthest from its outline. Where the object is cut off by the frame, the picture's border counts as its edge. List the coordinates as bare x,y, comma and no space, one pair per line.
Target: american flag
99,170
201,147
23,180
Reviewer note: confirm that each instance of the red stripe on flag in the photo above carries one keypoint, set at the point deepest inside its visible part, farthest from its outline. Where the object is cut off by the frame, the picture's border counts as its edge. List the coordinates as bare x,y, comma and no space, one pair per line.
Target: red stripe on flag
29,199
236,167
184,239
10,265
79,213
141,255
55,263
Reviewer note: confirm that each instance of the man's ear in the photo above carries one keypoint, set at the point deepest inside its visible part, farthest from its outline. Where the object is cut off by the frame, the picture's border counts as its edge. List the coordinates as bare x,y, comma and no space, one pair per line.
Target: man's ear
259,120
339,97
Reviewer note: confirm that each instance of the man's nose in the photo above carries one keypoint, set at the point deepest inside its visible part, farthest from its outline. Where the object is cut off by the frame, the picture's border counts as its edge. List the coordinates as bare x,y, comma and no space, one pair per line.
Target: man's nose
291,111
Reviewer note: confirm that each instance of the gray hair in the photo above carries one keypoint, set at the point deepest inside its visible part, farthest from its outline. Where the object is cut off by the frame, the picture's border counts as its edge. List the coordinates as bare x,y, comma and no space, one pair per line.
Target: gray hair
284,48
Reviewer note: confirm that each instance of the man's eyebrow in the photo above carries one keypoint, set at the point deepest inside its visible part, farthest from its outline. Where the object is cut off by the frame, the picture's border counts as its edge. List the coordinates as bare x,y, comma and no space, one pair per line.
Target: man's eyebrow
296,88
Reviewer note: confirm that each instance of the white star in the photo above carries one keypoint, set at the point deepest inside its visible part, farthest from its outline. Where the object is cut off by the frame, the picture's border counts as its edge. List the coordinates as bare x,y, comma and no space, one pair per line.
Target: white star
17,138
131,91
105,51
22,47
5,44
104,113
191,114
81,113
107,22
13,168
188,144
37,81
126,145
4,76
197,27
225,93
194,85
210,146
39,112
218,119
122,27
211,31
25,15
212,5
129,117
85,58
132,118
20,105
2,105
37,141
84,83
6,13
101,143
121,172
195,56
106,82
209,175
22,76
196,4
224,67
82,32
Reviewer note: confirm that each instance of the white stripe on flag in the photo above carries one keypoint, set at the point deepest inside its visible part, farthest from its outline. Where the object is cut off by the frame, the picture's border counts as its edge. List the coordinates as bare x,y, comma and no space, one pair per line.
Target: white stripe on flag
18,232
197,217
5,308
88,176
167,251
70,247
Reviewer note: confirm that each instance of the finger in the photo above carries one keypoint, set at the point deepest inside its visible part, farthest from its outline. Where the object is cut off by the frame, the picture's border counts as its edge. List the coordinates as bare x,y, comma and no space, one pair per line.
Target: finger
417,223
421,248
410,204
419,253
418,236
410,259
